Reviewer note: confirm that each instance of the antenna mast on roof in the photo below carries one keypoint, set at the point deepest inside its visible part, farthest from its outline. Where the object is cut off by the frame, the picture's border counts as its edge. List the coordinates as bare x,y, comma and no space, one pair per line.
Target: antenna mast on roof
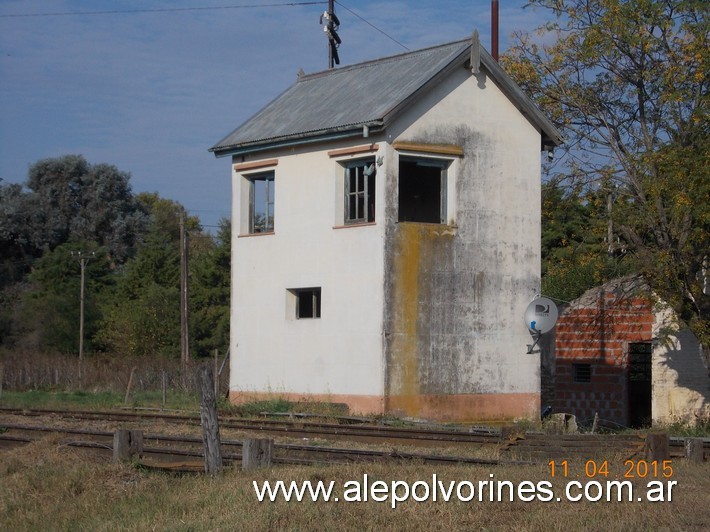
331,25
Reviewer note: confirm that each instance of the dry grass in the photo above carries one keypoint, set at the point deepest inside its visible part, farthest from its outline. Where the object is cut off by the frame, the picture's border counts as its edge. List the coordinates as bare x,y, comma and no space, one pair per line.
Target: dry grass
45,486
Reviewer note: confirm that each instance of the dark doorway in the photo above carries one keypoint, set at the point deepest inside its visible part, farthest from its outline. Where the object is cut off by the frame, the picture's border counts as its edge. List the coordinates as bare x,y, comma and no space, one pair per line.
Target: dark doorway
639,384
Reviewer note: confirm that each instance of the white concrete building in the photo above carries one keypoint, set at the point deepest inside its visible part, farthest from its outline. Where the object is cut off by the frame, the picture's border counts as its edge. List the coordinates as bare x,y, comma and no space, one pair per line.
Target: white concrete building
386,239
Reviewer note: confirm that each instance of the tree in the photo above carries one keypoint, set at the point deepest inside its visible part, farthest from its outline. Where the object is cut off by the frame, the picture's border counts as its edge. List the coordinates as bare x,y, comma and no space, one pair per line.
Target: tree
70,199
142,313
51,306
574,224
17,251
209,292
626,82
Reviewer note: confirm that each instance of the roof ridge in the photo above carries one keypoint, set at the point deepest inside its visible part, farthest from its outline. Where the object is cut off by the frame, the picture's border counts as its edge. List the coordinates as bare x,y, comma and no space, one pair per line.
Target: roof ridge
382,60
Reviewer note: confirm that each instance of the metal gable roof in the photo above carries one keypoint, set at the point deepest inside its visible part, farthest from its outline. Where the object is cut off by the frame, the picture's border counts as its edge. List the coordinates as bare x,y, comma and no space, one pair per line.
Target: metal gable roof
341,101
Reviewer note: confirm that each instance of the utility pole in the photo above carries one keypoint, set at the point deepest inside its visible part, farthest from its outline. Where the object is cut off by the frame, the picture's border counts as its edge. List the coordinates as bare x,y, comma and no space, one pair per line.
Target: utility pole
331,25
83,261
184,339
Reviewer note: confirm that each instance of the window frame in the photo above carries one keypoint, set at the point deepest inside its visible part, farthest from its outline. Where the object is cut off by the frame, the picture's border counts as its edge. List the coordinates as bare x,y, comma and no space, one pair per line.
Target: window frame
368,192
269,201
296,295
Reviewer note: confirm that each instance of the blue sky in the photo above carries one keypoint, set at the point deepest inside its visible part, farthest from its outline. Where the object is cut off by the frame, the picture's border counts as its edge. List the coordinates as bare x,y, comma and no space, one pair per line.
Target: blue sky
151,92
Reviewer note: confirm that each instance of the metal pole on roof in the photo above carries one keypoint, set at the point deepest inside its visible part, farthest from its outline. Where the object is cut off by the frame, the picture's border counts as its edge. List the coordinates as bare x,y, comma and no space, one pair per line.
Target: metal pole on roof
494,29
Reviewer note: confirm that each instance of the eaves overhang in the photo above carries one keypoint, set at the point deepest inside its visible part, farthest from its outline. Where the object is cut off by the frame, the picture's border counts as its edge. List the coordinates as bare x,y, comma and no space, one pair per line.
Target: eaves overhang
300,139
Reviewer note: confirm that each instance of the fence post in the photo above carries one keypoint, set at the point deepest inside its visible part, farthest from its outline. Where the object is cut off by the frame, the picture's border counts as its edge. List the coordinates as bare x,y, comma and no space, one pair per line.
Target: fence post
127,444
2,377
210,423
136,443
257,453
121,445
130,385
657,447
694,450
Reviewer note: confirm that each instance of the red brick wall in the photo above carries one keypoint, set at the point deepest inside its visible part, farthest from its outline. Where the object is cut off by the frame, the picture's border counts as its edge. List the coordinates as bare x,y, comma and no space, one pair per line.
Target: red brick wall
598,332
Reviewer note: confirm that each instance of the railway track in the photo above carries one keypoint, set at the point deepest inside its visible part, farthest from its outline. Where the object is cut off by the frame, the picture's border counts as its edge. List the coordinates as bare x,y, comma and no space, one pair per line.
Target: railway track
517,447
362,433
165,448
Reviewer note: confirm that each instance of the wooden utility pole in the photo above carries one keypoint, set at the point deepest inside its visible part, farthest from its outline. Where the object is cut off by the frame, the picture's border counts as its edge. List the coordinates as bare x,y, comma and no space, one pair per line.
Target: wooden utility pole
331,10
184,338
83,261
331,25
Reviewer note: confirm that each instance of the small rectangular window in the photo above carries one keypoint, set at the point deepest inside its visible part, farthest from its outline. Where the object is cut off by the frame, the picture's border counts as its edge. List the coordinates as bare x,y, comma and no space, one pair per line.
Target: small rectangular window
261,203
307,302
360,192
422,190
582,372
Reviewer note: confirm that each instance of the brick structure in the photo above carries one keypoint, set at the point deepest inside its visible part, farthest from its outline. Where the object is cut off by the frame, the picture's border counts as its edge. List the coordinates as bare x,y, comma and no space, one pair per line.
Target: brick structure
596,338
619,352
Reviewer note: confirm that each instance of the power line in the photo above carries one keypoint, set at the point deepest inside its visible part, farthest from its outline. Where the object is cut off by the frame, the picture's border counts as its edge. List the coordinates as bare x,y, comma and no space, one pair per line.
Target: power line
159,10
371,24
205,8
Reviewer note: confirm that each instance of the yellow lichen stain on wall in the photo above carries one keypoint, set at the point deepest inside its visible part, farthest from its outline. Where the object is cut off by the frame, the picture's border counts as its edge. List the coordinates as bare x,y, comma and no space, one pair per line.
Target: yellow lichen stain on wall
406,295
413,259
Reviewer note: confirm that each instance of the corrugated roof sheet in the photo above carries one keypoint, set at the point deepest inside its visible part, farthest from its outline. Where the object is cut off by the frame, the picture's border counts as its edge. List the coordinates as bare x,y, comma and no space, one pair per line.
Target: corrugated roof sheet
349,96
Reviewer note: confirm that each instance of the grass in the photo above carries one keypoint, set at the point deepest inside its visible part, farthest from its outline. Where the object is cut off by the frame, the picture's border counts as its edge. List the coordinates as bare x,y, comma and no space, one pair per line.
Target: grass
96,400
153,399
47,486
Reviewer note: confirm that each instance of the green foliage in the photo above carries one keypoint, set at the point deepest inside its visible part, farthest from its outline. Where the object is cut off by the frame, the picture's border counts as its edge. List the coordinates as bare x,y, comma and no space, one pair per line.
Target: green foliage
147,324
209,293
132,288
141,315
575,252
626,82
51,307
74,200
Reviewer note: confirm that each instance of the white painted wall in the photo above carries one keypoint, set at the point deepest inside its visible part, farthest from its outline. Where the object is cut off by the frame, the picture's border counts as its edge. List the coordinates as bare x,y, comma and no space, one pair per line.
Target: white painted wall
342,351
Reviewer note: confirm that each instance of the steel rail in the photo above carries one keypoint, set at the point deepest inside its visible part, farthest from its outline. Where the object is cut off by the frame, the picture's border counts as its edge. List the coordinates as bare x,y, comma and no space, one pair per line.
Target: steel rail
417,436
284,452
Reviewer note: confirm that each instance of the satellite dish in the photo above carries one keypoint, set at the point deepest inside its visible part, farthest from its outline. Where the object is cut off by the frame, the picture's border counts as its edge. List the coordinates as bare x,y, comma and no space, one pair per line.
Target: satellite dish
541,315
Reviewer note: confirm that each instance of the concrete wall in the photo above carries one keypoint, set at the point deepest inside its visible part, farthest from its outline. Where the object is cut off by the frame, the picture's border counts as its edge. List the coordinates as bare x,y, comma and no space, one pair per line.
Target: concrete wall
456,293
335,358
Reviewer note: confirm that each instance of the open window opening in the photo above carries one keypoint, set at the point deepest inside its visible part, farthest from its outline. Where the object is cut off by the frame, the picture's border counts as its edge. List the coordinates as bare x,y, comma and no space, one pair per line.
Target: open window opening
307,302
422,190
360,191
